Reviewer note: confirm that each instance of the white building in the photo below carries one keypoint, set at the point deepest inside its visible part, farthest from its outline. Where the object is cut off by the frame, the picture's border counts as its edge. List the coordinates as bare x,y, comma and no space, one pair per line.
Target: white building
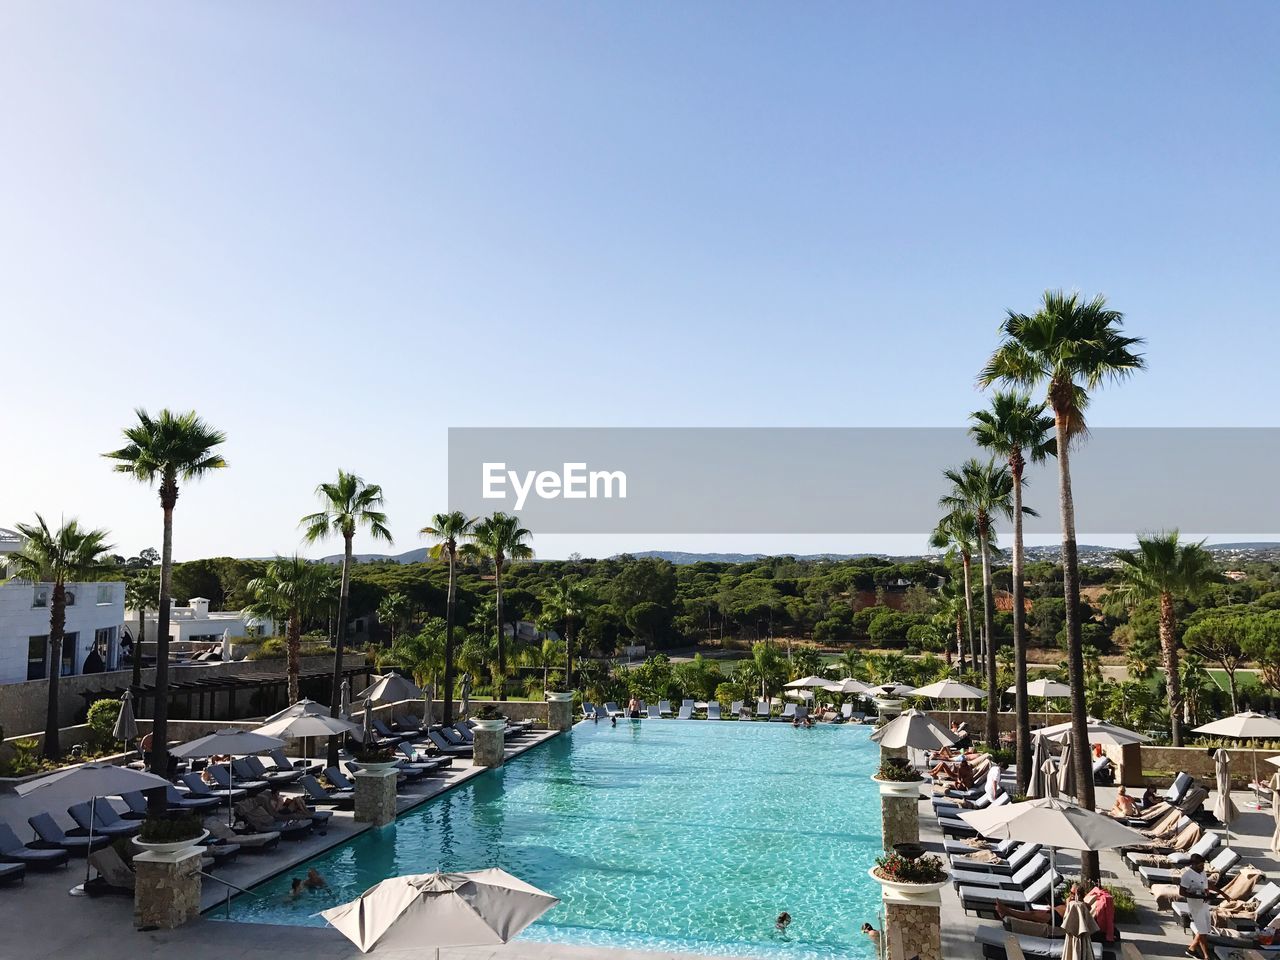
95,612
196,624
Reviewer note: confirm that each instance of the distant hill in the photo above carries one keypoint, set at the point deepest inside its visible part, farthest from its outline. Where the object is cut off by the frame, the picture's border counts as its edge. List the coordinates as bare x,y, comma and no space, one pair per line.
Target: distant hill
409,556
679,557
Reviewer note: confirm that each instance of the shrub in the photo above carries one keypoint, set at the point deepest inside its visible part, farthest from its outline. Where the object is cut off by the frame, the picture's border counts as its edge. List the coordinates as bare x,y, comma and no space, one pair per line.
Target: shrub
926,869
170,829
897,770
101,720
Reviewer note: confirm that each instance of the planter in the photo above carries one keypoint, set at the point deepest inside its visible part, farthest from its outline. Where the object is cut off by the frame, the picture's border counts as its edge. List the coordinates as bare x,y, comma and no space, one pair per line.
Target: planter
378,767
174,846
560,697
889,705
924,893
898,788
491,725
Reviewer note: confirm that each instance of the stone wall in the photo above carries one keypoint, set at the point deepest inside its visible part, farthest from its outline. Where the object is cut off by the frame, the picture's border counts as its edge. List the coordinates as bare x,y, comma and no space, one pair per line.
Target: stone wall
1160,763
899,821
23,705
914,932
977,720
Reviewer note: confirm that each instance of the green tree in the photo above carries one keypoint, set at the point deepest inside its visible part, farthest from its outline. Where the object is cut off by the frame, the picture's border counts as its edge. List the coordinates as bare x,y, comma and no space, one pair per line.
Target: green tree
1164,569
164,450
1194,686
392,610
698,678
141,593
289,591
500,539
986,491
958,532
70,554
1018,430
346,505
449,530
1264,648
1073,346
421,653
567,603
1224,640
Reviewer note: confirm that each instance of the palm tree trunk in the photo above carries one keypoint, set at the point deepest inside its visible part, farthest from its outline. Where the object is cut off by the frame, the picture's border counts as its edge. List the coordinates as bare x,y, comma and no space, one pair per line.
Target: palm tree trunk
450,613
568,654
966,563
988,621
502,646
156,802
1075,645
344,591
1021,707
57,628
294,649
1169,647
137,651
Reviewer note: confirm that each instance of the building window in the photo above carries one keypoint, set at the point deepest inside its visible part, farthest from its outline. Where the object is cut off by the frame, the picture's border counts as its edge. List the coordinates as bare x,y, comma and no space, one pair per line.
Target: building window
104,594
41,597
69,643
37,655
104,640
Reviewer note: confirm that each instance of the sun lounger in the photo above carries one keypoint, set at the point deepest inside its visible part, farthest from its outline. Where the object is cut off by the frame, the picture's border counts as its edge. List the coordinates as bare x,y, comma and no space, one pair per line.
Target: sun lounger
1268,900
788,713
226,779
432,764
253,767
686,712
1035,866
983,900
250,841
1102,771
114,875
188,801
284,763
588,710
13,872
406,723
762,710
198,788
858,717
654,713
447,748
1223,862
386,737
13,850
735,709
314,793
50,835
958,848
955,827
104,820
612,710
1017,858
664,708
259,819
713,710
998,943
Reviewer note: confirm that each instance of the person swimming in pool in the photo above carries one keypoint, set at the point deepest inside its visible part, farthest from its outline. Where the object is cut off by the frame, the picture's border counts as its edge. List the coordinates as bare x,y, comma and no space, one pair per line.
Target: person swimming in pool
783,921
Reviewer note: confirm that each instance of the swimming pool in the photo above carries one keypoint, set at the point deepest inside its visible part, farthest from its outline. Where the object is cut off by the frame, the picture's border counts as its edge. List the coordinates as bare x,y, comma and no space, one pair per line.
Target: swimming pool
657,834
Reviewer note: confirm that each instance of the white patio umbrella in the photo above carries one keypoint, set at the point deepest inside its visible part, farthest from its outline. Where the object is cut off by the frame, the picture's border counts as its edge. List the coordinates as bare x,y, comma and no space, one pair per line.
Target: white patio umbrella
1098,731
1055,823
126,727
895,689
304,726
89,782
1044,689
806,687
913,729
949,690
478,908
231,743
390,688
303,708
849,686
1223,808
1245,726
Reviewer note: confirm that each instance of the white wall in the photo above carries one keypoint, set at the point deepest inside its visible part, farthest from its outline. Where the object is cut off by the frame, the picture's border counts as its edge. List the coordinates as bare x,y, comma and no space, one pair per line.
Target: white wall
20,620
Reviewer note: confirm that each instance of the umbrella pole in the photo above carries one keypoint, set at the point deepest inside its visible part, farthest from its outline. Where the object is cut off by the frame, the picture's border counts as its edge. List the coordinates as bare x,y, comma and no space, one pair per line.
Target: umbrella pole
1053,867
82,890
231,788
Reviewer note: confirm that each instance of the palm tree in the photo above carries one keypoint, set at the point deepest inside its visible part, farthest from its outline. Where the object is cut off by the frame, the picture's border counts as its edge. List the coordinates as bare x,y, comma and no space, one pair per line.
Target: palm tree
346,506
392,610
1073,346
69,554
448,529
1165,570
1018,430
290,590
140,594
958,532
163,450
501,539
985,490
567,603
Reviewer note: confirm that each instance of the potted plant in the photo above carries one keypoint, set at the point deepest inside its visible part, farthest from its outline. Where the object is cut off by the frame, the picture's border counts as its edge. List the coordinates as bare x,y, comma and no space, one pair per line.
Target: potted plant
897,778
488,718
372,757
909,878
170,833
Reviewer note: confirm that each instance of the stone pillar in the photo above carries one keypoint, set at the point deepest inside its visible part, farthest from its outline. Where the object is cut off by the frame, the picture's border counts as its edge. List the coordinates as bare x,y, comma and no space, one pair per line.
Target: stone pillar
913,927
899,816
487,748
166,888
375,796
889,708
559,711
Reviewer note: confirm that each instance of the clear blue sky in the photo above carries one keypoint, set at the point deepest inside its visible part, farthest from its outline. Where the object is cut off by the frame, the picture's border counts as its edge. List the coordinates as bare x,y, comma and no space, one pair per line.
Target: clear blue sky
337,230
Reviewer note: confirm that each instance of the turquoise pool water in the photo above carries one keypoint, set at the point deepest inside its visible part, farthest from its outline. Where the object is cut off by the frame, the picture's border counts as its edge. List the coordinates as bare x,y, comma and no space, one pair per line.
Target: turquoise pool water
656,834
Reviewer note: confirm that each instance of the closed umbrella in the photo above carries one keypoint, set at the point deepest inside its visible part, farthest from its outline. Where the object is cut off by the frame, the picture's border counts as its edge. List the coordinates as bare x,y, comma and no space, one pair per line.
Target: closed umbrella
1066,770
1078,927
478,908
344,701
367,736
1245,726
390,688
89,782
1039,754
1275,811
126,727
913,729
466,697
231,743
428,694
1050,773
1223,808
1056,823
